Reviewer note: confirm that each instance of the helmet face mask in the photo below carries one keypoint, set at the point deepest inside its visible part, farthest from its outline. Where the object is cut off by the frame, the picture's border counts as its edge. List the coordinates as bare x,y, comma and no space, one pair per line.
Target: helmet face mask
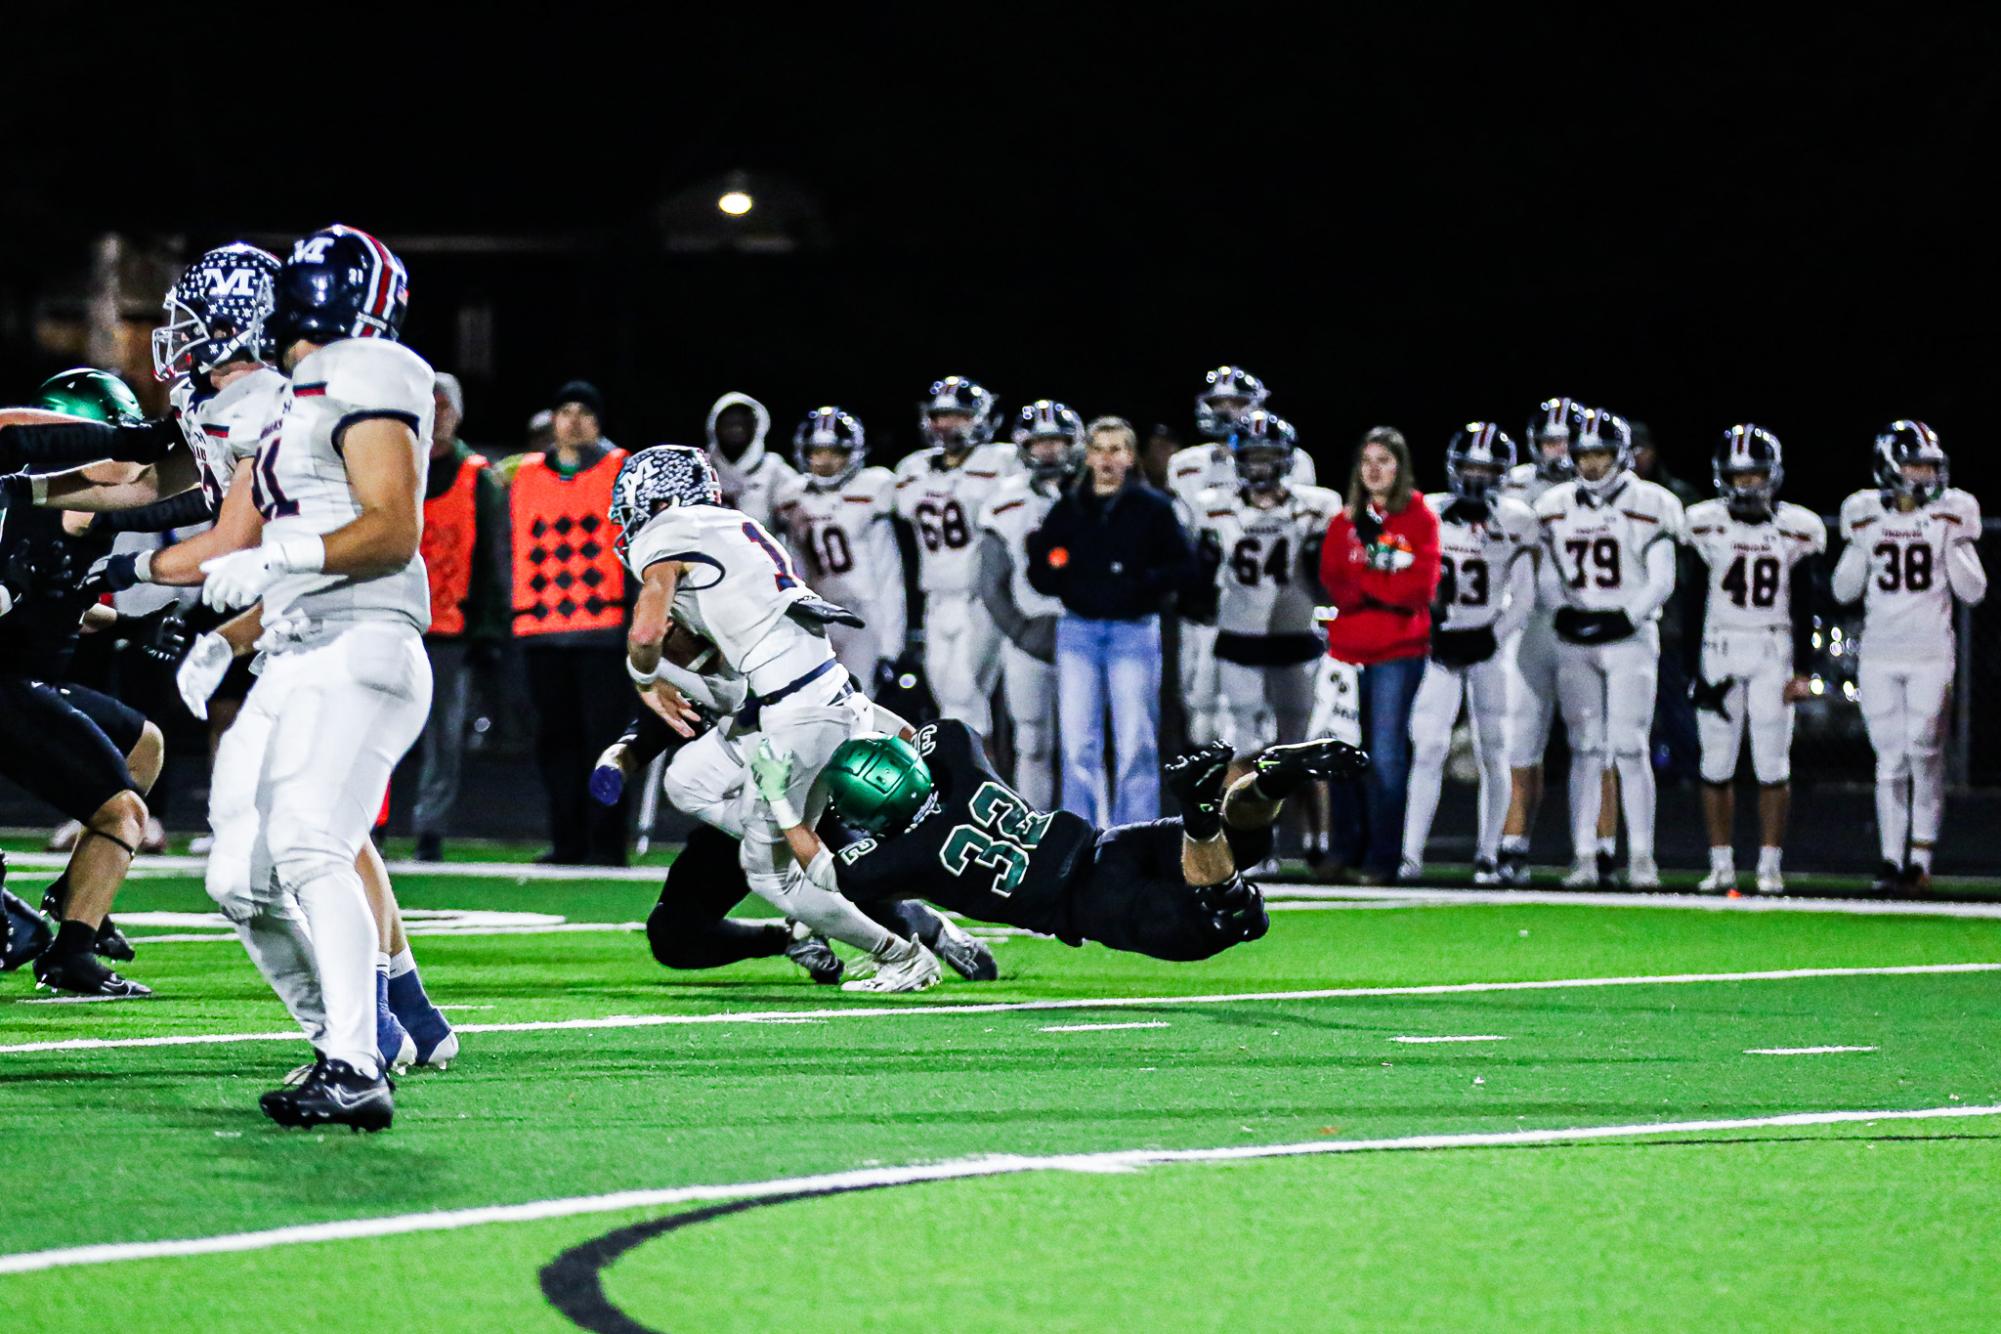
1263,447
1049,436
1551,431
215,313
957,415
830,430
1602,433
877,784
1476,460
1228,393
1748,470
1905,450
662,477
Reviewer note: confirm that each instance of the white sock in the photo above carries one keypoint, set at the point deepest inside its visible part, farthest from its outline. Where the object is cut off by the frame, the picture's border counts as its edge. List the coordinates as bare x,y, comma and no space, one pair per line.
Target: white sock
381,963
402,962
1515,843
1609,846
1921,856
1722,859
343,932
1768,859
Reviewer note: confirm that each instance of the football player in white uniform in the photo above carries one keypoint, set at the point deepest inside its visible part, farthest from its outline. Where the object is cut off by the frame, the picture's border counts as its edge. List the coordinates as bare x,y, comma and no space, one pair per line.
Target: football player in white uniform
1756,617
1532,690
752,476
940,491
1607,568
720,574
346,687
841,514
1227,393
228,402
1911,552
1486,590
1050,438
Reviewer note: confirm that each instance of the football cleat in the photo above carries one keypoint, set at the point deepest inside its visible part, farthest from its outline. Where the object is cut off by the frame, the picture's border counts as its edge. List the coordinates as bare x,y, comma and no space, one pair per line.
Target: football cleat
437,1045
1643,873
1196,779
1485,873
1583,874
1323,757
969,958
1236,909
813,953
1771,881
110,943
1409,872
26,935
84,975
1606,864
1889,879
335,1094
1513,870
1916,879
904,966
394,1046
288,1092
1720,880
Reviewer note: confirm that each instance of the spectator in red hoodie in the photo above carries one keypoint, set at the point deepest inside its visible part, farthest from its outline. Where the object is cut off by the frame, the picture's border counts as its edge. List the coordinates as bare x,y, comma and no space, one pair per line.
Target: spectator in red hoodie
1379,566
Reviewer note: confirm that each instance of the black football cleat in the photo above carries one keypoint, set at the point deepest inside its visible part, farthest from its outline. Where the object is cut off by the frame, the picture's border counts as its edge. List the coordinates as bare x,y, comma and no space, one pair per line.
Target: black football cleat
1236,909
26,933
1323,757
333,1094
277,1103
85,975
1608,867
1889,879
814,954
969,958
1196,777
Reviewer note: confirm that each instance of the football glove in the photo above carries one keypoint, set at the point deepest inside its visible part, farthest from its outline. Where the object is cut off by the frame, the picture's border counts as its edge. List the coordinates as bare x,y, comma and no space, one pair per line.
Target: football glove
1711,695
242,577
160,634
1463,648
814,611
116,573
1577,626
771,770
202,671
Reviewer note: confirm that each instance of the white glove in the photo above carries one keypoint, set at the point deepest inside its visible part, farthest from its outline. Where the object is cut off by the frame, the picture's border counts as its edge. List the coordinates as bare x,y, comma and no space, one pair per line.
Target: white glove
202,671
242,577
771,771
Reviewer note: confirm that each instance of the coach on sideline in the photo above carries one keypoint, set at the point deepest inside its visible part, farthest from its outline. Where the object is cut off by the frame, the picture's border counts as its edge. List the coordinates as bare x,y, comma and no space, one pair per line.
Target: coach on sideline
1111,550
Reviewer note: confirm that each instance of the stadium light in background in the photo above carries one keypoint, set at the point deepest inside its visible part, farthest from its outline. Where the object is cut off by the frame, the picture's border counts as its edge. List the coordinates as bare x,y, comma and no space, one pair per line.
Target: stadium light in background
744,211
736,203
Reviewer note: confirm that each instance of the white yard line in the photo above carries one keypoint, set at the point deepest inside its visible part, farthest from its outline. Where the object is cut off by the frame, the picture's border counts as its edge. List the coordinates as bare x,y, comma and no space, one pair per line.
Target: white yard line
1800,1051
1417,896
1080,1003
1117,1160
1469,1037
1102,1028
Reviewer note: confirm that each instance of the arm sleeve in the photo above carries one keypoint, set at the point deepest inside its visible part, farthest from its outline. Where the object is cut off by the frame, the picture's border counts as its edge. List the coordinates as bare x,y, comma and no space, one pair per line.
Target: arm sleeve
646,738
1659,587
1519,594
1805,598
996,586
182,511
1852,571
1411,588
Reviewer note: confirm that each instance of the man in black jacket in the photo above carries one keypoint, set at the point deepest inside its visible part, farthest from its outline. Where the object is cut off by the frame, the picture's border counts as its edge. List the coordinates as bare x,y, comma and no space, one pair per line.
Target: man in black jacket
1112,551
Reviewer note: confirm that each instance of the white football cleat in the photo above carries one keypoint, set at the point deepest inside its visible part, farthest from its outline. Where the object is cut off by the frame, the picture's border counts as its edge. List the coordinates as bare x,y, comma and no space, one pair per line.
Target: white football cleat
1771,882
1583,875
1720,880
1643,873
904,966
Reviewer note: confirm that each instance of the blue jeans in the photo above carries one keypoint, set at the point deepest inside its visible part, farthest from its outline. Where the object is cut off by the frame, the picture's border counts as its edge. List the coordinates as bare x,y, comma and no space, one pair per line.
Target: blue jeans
1367,815
1115,663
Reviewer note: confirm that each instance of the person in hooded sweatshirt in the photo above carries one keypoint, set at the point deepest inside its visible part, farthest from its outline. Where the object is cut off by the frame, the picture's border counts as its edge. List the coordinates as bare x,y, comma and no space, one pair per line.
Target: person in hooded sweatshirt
569,619
750,474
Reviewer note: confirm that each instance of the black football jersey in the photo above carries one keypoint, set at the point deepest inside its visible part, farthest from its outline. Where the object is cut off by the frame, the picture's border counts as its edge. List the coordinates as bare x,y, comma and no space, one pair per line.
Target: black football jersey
43,565
976,847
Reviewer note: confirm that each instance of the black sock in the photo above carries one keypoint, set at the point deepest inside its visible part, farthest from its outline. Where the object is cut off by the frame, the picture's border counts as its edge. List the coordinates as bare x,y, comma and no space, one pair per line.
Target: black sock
74,938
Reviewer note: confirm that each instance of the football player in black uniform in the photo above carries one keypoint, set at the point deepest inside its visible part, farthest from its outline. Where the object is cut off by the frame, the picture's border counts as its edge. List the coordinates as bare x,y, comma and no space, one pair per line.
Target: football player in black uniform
940,824
90,756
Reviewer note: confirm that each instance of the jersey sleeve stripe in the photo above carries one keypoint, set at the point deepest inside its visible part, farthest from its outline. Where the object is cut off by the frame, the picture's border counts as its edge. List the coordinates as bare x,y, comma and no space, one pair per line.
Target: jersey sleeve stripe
368,414
313,390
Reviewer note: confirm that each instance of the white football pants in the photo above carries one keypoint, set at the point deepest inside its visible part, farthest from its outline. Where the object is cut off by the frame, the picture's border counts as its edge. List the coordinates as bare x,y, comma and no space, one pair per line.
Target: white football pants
1757,663
1201,694
1531,692
1483,689
1904,712
962,657
1607,695
1028,685
1263,706
297,784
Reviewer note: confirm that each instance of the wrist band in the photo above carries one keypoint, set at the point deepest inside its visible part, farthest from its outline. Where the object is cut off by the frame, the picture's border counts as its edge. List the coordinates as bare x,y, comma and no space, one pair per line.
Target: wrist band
305,554
142,567
38,487
639,678
783,811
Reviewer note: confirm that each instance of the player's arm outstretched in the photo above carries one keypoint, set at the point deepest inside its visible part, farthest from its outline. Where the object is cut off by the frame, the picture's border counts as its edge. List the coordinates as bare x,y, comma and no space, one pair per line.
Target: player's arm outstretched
652,615
237,527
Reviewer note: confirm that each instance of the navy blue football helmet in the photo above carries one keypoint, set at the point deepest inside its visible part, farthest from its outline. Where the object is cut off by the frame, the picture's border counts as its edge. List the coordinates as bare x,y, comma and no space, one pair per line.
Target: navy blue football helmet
340,282
1263,446
1603,429
830,428
662,477
956,393
1753,450
1554,419
1048,419
1908,441
1227,393
1478,445
215,312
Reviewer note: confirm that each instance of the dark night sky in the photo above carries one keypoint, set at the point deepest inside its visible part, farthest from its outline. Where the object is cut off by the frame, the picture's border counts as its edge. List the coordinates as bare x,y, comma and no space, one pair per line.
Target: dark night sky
1405,220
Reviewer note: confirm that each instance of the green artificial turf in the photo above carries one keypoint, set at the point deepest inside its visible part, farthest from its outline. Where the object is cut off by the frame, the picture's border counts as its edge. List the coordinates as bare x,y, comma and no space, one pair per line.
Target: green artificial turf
1841,1225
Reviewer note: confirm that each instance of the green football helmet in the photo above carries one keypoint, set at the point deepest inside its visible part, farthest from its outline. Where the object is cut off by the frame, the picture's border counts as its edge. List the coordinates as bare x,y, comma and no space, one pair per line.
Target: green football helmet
877,784
87,392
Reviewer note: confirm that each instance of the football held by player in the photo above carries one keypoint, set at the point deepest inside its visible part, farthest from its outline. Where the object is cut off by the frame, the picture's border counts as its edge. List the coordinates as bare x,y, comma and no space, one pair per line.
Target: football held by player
1912,552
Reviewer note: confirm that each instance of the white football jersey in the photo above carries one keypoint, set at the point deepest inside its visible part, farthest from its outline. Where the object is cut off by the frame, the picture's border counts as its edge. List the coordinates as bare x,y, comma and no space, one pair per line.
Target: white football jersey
1906,598
225,428
847,541
1481,557
301,481
1017,509
736,594
1525,484
1264,589
1200,468
1599,547
943,505
1751,564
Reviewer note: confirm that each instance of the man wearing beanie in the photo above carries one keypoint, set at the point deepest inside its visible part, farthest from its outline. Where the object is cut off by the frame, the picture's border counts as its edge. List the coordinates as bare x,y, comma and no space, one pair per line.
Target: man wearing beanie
569,614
